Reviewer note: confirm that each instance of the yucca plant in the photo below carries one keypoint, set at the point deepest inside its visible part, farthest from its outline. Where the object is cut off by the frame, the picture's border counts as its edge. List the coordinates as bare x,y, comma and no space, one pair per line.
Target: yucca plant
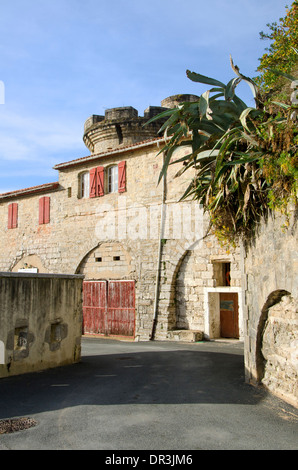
236,151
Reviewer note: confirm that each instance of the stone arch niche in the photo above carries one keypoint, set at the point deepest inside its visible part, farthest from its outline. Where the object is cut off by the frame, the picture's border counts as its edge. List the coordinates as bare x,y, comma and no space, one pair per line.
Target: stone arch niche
277,346
109,260
177,285
189,292
29,263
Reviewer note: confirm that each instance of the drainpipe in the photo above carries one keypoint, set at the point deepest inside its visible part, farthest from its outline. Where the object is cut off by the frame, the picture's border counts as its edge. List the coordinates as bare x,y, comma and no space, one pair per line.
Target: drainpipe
158,269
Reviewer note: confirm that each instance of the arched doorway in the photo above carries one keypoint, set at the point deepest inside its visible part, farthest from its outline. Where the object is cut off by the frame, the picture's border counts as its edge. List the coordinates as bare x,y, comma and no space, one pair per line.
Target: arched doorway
277,346
109,260
273,299
108,296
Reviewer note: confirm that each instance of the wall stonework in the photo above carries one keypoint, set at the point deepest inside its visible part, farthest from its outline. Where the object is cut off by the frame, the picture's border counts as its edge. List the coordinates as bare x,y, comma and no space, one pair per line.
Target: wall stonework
120,236
280,349
271,308
144,234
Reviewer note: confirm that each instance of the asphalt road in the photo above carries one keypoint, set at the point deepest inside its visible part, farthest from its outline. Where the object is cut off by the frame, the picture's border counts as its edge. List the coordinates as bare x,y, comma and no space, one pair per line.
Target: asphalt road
150,396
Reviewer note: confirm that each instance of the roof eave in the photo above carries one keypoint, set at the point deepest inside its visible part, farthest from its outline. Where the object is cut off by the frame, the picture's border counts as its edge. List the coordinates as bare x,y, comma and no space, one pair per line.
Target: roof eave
29,191
111,153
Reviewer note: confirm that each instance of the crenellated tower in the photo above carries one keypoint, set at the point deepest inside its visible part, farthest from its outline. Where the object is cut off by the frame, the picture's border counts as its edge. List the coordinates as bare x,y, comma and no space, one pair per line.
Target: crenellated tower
121,127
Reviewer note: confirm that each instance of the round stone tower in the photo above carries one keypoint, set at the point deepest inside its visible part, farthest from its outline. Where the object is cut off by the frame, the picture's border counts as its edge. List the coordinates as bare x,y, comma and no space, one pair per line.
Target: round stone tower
175,100
121,127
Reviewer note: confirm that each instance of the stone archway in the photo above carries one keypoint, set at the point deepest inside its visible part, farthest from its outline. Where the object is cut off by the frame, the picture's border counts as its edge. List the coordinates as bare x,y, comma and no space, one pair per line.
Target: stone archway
108,291
29,263
277,357
273,299
176,258
189,292
108,260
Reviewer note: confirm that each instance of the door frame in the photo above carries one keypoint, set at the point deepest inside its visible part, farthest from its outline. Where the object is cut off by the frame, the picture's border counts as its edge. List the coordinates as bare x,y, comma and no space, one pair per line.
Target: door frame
229,316
107,309
212,311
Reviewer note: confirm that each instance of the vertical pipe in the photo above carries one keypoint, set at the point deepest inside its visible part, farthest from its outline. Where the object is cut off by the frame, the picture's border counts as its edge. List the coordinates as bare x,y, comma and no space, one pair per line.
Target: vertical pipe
161,234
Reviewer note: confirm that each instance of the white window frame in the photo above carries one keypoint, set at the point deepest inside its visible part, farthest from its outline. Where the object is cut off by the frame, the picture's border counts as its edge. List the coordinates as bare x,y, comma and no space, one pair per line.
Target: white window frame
112,179
84,185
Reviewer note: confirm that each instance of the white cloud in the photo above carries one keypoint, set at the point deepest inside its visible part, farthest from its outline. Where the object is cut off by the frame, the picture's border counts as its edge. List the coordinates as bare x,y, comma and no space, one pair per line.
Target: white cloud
63,61
27,138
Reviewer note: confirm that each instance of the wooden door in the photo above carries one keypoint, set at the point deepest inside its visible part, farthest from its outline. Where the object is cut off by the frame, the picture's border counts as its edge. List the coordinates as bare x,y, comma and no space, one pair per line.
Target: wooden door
229,327
94,307
121,308
109,307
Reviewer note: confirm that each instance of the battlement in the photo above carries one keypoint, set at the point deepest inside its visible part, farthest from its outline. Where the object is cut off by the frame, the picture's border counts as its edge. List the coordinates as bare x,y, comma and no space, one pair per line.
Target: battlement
123,126
175,100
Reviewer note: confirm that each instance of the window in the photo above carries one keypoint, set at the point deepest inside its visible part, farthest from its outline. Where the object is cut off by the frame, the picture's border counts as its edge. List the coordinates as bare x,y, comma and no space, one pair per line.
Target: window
13,215
105,180
44,210
84,183
113,179
222,273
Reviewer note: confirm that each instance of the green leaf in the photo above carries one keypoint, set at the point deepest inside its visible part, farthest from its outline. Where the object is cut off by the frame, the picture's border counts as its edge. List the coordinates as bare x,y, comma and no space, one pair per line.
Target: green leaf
224,107
204,103
248,80
160,116
167,159
173,117
283,74
230,89
239,103
282,105
244,115
196,77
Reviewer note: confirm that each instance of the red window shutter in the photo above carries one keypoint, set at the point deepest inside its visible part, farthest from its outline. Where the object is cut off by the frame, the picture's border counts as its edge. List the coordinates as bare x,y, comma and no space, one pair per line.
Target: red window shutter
44,210
93,174
13,215
121,177
100,181
9,216
41,211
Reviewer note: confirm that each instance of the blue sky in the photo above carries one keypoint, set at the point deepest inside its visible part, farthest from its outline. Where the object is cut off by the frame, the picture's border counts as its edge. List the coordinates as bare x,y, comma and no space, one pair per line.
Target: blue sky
63,60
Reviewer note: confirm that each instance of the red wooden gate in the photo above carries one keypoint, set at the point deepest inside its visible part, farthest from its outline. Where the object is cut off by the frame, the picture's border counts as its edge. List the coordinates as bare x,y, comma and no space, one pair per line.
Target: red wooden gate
109,307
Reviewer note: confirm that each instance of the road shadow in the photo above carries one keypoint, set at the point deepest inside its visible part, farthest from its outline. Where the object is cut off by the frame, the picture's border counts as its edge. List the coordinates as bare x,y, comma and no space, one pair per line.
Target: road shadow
183,376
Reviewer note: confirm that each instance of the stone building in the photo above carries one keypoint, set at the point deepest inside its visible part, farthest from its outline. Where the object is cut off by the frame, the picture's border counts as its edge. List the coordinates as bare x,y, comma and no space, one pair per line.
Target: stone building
149,270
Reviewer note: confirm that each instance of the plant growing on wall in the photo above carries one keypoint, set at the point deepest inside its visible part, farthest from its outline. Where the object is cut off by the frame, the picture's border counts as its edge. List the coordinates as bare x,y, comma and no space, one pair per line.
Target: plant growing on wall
245,158
283,38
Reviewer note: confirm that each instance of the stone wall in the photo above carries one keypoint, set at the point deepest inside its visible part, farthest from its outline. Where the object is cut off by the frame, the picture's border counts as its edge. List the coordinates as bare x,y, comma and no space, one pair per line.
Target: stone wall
118,236
41,321
271,318
280,349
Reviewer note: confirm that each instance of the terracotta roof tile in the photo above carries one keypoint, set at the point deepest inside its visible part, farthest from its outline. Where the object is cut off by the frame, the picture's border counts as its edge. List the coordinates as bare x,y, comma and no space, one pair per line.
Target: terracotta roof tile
110,153
32,190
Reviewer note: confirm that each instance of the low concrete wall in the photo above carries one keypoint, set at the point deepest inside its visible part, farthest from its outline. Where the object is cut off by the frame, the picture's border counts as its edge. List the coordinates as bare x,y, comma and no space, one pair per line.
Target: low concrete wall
40,321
